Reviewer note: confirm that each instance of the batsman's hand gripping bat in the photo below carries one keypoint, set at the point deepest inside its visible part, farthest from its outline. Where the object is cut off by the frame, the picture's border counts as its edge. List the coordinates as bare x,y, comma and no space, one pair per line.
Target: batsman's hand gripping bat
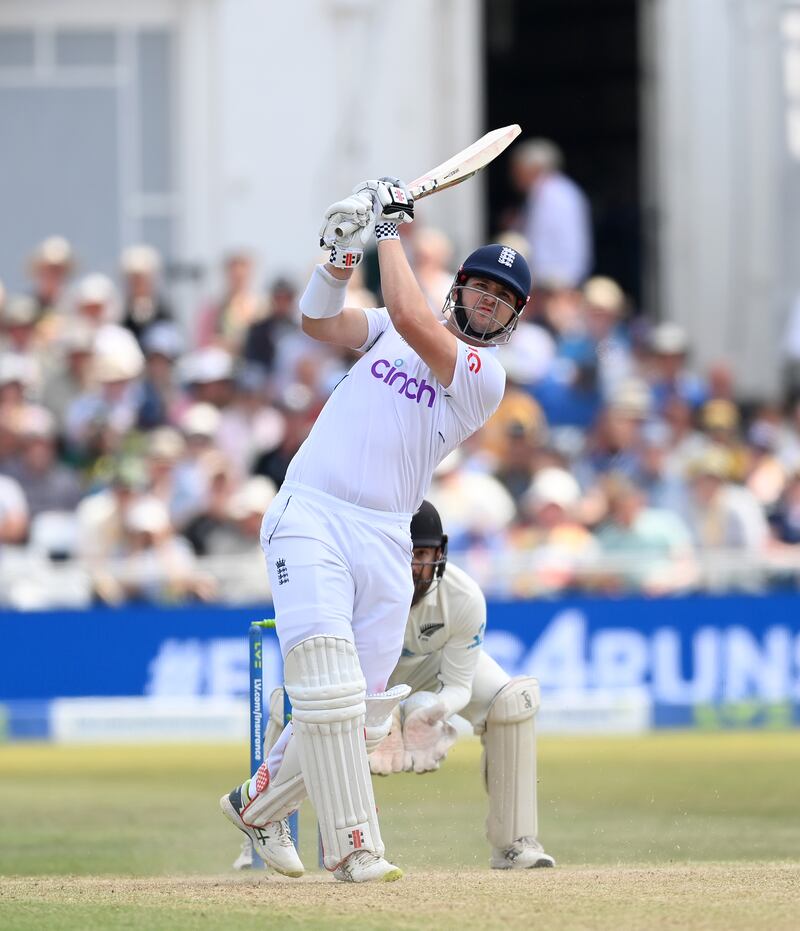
456,169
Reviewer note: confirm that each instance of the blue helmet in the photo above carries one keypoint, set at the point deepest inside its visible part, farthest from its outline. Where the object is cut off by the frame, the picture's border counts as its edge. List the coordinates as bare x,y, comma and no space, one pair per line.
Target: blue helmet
503,265
500,263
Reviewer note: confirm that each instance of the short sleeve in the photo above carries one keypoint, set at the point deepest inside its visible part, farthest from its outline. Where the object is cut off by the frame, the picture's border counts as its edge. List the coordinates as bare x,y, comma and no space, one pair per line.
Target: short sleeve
12,497
477,386
377,322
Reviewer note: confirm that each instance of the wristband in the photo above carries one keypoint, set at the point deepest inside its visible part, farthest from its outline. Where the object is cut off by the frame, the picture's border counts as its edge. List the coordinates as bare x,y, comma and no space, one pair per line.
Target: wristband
324,295
386,231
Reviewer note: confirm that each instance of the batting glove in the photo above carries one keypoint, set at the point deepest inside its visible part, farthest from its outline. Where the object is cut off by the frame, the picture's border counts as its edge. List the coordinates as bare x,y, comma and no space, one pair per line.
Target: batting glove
393,200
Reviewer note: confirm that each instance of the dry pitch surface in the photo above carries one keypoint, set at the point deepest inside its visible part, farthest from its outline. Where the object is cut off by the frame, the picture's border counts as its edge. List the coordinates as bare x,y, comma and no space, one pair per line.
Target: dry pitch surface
710,896
678,831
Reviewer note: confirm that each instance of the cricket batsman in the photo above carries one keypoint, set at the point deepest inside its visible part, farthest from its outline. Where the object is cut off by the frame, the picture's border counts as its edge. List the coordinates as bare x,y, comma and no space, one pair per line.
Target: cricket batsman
336,538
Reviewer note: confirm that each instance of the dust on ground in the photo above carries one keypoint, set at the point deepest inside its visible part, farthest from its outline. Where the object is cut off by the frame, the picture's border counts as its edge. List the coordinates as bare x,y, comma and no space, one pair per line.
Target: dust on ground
707,897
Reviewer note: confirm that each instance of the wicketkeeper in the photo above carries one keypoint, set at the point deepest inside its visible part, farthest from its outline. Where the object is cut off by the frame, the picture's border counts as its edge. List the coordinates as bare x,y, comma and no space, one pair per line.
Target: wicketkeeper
443,662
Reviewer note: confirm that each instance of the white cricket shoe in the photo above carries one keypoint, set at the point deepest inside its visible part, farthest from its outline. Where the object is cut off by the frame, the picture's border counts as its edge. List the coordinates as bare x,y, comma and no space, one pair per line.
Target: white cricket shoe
364,866
526,853
245,859
272,842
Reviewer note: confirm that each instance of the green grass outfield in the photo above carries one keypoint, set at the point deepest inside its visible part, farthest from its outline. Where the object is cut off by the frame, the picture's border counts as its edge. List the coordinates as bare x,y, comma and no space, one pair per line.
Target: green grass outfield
670,830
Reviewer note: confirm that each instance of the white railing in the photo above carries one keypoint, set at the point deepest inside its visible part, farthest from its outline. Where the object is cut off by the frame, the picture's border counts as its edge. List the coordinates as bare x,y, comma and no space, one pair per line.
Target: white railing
29,581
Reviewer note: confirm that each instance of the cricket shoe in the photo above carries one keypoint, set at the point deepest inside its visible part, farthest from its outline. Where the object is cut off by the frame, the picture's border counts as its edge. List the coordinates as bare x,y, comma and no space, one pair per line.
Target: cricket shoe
526,853
245,859
272,841
364,866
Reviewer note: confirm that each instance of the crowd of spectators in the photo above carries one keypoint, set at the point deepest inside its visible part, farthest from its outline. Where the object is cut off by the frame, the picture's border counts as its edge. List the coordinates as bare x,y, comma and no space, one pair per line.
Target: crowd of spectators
140,446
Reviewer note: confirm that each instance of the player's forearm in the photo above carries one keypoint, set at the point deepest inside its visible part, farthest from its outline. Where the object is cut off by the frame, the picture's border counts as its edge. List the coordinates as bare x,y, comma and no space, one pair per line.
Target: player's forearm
402,294
454,697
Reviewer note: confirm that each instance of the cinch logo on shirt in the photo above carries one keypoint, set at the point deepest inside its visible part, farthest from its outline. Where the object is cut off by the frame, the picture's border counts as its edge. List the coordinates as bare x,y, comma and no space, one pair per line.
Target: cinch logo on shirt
411,388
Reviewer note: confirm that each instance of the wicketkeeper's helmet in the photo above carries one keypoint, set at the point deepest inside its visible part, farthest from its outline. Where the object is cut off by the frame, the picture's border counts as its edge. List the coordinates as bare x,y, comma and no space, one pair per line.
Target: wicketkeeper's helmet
426,530
503,265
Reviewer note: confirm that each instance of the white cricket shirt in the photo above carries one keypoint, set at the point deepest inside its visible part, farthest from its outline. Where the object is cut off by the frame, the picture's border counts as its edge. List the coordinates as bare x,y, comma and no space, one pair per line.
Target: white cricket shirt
389,422
443,638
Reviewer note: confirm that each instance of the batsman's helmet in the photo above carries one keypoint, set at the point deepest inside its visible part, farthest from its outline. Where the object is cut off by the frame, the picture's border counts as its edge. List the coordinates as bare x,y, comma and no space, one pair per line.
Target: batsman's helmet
499,263
426,530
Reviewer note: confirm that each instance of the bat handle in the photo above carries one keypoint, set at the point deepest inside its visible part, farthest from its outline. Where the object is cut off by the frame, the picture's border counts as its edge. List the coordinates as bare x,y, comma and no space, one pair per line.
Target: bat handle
346,229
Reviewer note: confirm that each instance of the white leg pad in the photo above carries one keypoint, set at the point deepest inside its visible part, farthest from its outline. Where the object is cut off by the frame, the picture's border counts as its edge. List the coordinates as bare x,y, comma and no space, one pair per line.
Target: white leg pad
510,762
324,681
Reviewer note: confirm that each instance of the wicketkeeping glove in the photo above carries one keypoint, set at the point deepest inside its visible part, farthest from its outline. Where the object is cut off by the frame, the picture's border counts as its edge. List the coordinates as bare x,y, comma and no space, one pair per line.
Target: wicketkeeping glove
427,736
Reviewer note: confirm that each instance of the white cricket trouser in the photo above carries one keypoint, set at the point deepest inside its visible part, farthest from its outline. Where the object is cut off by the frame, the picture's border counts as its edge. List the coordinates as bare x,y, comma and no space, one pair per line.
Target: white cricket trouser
340,570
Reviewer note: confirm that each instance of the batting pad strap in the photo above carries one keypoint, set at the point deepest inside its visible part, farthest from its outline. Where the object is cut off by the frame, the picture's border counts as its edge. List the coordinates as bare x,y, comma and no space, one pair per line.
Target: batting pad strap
510,762
324,681
324,295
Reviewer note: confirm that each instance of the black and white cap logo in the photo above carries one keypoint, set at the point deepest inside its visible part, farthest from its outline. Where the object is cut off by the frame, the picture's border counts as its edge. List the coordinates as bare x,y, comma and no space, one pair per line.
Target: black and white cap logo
506,256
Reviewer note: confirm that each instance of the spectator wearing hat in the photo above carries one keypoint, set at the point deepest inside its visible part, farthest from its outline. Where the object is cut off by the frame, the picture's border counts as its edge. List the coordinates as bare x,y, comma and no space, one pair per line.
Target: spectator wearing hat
474,506
70,376
685,441
208,376
100,514
226,321
142,303
47,483
555,547
20,337
724,515
169,477
249,425
604,311
667,367
278,325
156,564
299,410
616,440
277,345
162,344
17,379
96,301
653,545
234,530
14,517
720,422
570,391
556,219
663,485
50,267
98,420
213,513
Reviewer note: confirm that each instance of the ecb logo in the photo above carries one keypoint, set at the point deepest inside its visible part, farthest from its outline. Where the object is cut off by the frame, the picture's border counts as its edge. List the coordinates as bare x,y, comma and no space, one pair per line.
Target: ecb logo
506,256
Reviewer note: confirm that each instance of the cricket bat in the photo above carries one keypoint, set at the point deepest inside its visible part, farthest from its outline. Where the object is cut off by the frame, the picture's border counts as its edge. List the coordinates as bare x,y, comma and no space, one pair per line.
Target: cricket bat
458,168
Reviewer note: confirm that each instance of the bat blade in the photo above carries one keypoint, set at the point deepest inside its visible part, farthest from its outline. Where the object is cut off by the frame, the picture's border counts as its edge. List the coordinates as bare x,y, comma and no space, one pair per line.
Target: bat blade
466,163
457,168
